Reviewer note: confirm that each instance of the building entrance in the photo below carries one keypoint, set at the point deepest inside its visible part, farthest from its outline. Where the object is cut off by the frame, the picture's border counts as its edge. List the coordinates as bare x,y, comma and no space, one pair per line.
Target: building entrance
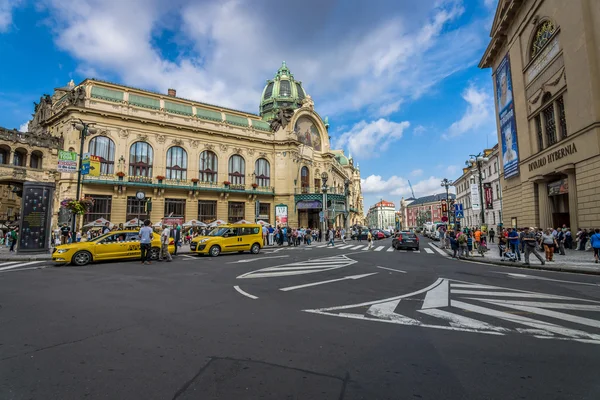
558,196
309,218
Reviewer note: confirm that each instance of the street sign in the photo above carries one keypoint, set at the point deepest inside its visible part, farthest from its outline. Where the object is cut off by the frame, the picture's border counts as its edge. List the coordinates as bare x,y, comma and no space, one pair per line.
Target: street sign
67,161
458,207
459,214
85,164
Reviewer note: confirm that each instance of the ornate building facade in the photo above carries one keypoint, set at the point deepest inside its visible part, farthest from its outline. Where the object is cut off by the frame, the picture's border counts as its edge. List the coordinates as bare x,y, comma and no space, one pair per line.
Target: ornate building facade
545,60
199,161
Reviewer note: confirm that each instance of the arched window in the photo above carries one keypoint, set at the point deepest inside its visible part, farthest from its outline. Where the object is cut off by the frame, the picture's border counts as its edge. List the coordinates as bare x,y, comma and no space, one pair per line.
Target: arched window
304,180
208,167
269,91
140,159
4,154
300,91
542,36
262,169
237,170
19,157
285,90
176,163
104,148
35,160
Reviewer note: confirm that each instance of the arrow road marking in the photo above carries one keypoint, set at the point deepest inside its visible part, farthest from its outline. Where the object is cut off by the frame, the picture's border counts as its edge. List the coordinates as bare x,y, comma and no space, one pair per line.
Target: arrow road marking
254,259
286,289
240,291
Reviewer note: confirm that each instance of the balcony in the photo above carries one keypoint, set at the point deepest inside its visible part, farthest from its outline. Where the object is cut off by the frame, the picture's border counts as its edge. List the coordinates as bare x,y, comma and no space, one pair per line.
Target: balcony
182,184
318,190
310,193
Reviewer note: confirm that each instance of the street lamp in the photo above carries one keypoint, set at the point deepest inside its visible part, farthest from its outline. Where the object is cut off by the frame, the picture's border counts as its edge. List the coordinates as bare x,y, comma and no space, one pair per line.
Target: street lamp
477,161
84,129
324,178
446,184
346,194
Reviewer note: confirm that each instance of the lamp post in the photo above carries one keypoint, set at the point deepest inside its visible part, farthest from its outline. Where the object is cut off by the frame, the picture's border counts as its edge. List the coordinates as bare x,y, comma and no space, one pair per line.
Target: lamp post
446,184
84,129
347,210
324,178
477,161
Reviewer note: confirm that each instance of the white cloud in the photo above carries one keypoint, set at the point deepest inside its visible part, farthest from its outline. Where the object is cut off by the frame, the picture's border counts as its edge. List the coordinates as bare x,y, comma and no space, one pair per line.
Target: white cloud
24,127
479,113
396,186
419,130
6,10
222,51
366,139
416,172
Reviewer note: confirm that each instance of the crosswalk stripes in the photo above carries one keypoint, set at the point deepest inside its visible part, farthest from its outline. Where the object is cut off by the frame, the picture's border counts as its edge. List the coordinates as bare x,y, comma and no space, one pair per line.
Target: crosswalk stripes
472,307
379,248
357,247
364,247
347,246
11,265
390,249
301,267
428,250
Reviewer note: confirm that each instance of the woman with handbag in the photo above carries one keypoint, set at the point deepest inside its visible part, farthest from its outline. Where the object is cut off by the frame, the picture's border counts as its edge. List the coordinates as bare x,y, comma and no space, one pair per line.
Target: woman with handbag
548,241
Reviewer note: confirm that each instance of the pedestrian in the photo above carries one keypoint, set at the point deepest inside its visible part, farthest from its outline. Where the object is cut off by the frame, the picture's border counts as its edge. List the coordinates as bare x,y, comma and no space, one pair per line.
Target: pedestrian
106,228
13,239
529,238
548,242
65,233
513,241
583,239
492,234
176,234
454,245
595,242
308,235
502,242
568,239
370,240
560,240
470,243
331,237
165,238
78,237
461,238
146,235
343,235
521,243
359,235
265,233
89,235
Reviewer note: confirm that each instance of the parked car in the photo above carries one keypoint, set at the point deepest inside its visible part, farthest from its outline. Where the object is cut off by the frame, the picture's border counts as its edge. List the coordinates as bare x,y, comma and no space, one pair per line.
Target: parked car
387,234
229,238
405,240
377,234
363,235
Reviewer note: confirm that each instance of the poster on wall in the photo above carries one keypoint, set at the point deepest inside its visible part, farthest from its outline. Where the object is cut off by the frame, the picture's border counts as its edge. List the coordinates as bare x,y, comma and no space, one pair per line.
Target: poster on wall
281,215
488,195
506,115
475,197
36,206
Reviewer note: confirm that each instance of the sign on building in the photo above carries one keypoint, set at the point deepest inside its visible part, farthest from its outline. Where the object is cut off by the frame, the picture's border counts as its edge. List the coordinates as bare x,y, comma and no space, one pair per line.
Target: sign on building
506,113
67,161
488,195
281,215
475,197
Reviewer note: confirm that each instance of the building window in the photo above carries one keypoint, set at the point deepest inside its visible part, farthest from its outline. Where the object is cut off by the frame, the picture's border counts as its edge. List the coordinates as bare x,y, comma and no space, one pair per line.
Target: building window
140,159
268,91
562,120
237,170
264,212
542,36
208,167
4,154
176,163
207,211
174,208
538,130
550,123
497,192
19,158
100,209
490,170
304,180
236,211
136,208
495,166
285,90
36,160
300,91
262,169
104,148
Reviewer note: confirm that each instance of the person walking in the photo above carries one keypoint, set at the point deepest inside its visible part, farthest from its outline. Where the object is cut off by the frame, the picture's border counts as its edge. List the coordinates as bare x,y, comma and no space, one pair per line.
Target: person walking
176,234
502,242
14,235
595,242
529,239
583,239
453,245
470,243
165,238
265,233
492,234
343,235
548,243
146,241
65,233
331,237
359,235
568,239
271,234
513,241
461,238
560,240
106,228
370,240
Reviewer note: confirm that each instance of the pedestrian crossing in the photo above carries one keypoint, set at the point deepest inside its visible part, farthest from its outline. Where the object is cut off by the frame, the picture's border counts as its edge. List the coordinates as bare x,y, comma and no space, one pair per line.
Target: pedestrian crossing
301,267
365,247
471,307
17,265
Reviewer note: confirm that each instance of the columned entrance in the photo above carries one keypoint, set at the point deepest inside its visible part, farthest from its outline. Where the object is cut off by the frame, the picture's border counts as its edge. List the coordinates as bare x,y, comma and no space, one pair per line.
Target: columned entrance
555,203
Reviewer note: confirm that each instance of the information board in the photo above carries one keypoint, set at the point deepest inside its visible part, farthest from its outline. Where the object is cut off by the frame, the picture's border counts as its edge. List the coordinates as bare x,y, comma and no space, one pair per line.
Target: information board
36,206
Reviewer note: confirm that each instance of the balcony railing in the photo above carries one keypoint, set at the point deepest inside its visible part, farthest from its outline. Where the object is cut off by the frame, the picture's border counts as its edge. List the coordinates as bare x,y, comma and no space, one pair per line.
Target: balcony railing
318,190
186,184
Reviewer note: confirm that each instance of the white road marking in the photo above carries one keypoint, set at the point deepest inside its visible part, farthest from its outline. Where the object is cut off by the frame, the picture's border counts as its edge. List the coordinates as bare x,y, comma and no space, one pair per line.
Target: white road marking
240,291
8,263
353,277
247,260
323,267
323,245
386,311
556,306
357,247
185,255
522,276
348,246
390,249
26,269
366,248
508,294
459,321
416,251
428,250
439,296
22,265
324,264
379,248
473,286
392,269
442,252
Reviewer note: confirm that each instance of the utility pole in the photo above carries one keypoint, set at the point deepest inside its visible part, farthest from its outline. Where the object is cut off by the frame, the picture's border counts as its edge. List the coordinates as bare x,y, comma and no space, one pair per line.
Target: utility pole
84,129
477,161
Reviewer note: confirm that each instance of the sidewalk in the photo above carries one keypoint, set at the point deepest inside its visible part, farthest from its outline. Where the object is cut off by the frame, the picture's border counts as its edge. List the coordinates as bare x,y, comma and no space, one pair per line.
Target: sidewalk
573,261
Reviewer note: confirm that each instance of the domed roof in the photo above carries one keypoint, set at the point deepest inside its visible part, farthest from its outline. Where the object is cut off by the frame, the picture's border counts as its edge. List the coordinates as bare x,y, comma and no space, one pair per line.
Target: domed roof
342,159
283,91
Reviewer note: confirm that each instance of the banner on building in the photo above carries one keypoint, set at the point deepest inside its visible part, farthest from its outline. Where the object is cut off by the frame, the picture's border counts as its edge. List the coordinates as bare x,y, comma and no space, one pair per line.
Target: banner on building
67,161
488,195
475,197
281,215
506,114
94,165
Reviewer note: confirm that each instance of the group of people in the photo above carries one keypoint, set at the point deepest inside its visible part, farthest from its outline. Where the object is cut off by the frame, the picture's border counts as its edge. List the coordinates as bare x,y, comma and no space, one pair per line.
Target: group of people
9,238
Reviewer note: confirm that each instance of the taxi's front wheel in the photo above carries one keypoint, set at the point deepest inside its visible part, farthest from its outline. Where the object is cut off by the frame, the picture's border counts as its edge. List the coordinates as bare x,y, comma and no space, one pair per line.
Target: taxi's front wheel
215,251
255,248
81,258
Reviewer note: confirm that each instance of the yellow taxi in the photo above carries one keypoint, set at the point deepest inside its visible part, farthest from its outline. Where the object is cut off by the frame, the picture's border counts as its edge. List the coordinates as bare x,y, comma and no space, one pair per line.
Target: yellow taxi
114,245
229,238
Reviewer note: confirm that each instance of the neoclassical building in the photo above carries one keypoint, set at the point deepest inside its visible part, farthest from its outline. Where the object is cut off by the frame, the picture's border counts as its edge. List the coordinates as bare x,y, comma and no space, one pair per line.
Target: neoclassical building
193,160
545,61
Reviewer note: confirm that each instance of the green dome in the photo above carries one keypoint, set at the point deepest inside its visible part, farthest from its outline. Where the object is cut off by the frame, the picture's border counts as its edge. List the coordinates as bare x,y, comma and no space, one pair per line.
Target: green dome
342,159
283,91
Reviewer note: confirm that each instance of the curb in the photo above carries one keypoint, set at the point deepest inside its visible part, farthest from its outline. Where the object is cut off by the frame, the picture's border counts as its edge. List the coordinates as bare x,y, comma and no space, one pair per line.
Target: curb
574,270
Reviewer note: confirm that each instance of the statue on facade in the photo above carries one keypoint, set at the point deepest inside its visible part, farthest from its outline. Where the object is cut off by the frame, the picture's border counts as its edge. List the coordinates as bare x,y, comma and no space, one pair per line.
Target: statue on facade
42,111
283,118
76,96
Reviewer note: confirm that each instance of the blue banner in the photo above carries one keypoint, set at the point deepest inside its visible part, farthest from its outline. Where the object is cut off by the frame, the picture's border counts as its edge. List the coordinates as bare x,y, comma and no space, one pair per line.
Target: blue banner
506,114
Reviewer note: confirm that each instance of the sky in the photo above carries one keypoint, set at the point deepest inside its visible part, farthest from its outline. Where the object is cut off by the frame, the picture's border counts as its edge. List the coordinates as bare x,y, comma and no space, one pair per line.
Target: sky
398,79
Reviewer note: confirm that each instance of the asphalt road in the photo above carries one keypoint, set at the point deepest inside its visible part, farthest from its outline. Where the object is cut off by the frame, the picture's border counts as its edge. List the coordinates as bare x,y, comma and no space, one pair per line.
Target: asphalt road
298,323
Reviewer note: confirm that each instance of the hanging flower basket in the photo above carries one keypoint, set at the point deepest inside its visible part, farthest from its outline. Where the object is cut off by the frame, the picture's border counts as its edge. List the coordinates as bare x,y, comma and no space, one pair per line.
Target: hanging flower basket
226,183
255,185
78,206
120,174
160,178
195,180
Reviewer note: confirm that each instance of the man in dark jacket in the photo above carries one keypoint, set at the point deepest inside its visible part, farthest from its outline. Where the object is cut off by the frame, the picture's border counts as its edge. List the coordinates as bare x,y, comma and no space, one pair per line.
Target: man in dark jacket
176,234
560,239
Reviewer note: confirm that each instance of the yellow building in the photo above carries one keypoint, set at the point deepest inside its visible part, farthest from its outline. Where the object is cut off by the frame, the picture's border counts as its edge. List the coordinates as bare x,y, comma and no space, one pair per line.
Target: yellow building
545,57
193,160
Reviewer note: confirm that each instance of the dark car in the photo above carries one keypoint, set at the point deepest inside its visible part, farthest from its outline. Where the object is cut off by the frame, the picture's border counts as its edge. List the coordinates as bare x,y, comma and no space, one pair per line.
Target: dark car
405,240
387,234
363,235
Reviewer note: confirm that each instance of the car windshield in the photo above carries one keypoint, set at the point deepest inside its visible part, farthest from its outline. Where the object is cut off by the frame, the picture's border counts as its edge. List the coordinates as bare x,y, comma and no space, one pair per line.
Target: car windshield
218,231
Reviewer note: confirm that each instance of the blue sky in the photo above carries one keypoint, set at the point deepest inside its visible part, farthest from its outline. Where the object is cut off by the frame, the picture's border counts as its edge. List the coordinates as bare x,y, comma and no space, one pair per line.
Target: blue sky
397,78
